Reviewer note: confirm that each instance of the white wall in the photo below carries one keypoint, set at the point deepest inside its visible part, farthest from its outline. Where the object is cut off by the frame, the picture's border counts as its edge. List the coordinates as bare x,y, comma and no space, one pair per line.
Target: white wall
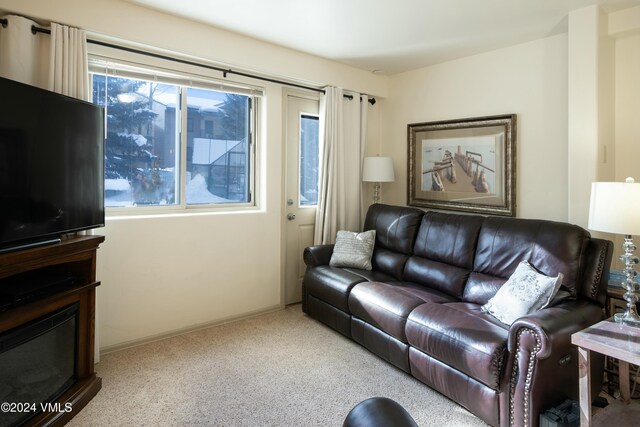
624,26
529,79
628,107
165,274
591,107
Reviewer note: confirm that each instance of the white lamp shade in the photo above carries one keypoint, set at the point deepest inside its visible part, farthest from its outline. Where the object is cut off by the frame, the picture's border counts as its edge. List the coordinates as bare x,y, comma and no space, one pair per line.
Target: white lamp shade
378,169
615,207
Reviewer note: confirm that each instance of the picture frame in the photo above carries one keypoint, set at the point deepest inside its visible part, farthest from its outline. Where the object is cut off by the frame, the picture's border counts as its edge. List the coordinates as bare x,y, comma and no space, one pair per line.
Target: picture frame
466,165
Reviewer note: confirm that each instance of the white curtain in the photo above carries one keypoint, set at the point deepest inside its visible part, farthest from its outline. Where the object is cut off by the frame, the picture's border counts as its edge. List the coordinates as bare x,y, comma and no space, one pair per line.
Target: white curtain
68,66
56,62
24,56
342,132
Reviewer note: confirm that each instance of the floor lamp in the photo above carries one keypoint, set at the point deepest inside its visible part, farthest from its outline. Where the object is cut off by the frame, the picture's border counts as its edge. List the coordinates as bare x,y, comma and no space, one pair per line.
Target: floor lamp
615,208
377,170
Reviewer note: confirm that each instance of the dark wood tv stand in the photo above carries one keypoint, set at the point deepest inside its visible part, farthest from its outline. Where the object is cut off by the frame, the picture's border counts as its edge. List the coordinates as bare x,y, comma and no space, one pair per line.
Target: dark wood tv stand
74,257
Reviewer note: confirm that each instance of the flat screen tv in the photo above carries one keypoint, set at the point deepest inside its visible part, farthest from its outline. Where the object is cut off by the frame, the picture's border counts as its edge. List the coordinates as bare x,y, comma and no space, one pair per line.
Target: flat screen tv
51,165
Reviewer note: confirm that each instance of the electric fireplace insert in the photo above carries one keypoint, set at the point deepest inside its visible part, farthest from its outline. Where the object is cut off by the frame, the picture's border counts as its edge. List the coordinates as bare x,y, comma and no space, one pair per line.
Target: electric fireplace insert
38,361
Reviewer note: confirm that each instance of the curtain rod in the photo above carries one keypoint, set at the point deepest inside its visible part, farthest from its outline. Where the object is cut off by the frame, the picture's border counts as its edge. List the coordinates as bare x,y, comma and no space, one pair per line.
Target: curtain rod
224,71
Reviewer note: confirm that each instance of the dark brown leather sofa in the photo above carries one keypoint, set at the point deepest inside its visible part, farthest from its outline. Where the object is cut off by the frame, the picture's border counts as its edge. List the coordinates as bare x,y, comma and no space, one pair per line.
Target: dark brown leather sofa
419,308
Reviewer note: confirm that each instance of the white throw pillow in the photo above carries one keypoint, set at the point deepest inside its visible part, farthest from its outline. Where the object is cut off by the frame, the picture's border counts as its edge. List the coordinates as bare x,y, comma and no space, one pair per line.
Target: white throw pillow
353,249
525,292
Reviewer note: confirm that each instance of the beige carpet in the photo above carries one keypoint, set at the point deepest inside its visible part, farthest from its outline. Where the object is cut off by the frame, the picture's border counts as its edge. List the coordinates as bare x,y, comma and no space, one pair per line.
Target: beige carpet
278,369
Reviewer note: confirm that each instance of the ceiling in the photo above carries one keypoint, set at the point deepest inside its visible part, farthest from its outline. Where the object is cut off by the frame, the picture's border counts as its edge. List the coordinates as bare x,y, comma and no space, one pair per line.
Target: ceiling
387,36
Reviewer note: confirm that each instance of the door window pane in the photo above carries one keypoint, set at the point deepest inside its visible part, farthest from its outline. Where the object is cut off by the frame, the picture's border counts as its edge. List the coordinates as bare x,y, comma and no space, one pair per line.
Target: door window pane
217,147
140,151
309,160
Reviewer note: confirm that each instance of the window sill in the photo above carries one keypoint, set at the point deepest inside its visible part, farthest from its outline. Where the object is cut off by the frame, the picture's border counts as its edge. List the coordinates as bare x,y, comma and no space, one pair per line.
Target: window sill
117,214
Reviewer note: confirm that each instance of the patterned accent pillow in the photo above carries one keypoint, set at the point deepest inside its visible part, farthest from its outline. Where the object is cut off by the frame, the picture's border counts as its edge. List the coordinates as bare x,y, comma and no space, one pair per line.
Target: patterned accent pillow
353,249
525,292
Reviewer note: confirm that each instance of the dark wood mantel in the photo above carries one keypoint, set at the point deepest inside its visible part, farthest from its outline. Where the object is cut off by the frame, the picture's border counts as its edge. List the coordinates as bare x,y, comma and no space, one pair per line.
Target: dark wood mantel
73,257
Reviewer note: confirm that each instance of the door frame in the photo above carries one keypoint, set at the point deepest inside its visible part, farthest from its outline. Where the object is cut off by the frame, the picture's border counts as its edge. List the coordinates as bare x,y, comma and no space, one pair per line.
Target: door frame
286,93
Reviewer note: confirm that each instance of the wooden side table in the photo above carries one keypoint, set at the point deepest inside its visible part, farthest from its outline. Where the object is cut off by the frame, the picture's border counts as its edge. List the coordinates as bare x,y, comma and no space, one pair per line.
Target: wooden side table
611,339
615,303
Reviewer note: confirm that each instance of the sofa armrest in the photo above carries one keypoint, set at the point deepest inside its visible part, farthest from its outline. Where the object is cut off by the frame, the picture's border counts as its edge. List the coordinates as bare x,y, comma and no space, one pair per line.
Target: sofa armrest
542,367
317,255
554,323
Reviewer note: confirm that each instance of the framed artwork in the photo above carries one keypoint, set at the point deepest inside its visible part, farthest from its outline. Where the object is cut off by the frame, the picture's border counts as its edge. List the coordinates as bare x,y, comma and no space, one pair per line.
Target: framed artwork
465,165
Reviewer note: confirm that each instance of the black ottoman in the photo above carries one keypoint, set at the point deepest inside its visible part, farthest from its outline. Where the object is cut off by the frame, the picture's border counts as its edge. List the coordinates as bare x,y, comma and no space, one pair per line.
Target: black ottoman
378,412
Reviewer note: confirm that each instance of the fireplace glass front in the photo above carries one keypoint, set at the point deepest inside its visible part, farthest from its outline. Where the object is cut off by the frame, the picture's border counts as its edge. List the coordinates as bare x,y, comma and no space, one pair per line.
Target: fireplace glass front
37,364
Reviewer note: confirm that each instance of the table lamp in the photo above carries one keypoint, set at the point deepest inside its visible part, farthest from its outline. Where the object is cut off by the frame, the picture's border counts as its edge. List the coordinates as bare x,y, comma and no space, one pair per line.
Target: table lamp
615,208
377,170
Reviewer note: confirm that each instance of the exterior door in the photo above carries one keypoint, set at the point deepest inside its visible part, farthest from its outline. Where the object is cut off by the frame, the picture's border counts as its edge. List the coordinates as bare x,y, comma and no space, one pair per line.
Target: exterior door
301,187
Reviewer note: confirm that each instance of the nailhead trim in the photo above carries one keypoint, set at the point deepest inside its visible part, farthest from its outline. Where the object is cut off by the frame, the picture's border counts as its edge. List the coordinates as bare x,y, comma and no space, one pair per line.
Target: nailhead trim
527,384
598,278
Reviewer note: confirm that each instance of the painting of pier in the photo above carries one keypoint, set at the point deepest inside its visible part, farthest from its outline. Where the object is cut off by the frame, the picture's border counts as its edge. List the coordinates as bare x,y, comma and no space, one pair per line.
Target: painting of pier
463,164
459,165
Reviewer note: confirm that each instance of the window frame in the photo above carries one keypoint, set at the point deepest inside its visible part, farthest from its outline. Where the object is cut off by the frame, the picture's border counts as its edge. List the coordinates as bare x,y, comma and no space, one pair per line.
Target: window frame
184,80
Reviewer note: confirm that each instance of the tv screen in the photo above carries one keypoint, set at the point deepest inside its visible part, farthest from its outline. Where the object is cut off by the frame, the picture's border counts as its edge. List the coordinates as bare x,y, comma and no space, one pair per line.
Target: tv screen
51,165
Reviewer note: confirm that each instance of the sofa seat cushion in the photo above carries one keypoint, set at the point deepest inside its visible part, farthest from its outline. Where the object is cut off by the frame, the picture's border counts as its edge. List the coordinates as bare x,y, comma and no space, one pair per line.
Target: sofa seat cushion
387,305
462,336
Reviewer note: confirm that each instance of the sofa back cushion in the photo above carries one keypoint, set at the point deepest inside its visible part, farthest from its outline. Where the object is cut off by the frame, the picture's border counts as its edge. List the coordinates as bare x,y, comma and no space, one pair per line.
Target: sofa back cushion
550,247
396,229
444,251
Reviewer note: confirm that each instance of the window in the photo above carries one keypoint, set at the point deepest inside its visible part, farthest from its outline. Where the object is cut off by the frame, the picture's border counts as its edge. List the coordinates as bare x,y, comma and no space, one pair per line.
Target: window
309,160
218,148
149,161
